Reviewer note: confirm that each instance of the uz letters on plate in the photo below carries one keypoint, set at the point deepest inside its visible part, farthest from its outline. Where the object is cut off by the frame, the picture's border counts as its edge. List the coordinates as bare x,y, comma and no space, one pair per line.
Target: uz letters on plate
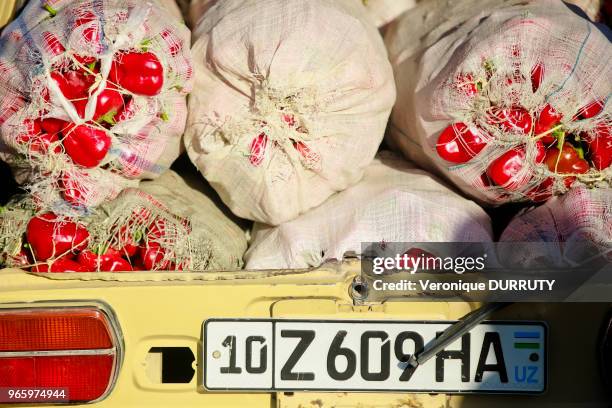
332,355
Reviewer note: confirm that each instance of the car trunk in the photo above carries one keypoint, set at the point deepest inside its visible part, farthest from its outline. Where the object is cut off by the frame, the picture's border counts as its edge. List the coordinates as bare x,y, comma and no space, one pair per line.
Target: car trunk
162,313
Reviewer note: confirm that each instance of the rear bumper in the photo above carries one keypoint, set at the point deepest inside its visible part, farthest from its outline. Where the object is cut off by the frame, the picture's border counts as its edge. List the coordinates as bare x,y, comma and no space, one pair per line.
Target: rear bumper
168,309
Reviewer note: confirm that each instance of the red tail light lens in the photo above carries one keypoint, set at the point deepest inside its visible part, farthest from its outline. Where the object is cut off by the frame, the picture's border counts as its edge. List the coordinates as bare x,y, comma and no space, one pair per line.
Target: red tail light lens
54,330
72,348
86,377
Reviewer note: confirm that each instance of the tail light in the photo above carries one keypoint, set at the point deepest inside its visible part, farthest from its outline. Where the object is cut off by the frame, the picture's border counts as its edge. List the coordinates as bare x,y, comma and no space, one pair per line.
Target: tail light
76,348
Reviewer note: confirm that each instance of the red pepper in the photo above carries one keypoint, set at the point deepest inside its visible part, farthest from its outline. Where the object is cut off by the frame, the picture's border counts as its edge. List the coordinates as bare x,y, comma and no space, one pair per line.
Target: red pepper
306,152
93,260
515,119
87,60
109,261
89,260
458,143
33,126
537,75
543,191
117,265
590,110
547,119
39,144
60,265
174,43
131,238
52,43
152,257
45,95
109,104
600,147
38,141
258,149
178,267
130,242
74,84
86,145
157,229
91,34
48,237
130,249
53,125
503,170
71,191
140,73
152,254
567,161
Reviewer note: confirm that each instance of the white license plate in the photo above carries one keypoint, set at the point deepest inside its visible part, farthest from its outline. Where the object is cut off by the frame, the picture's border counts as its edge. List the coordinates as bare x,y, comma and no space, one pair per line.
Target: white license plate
334,355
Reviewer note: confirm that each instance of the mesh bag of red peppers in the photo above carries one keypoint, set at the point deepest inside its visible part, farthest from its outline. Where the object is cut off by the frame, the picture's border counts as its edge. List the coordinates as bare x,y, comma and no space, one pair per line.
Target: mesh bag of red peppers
510,102
163,225
92,96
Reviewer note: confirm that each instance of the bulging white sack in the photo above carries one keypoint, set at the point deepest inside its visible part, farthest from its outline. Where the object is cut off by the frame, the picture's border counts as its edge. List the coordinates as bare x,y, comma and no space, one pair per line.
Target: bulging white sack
574,227
394,202
495,68
290,103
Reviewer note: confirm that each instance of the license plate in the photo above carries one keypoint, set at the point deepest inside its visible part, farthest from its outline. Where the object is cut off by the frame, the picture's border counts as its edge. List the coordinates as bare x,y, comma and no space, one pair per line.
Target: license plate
334,355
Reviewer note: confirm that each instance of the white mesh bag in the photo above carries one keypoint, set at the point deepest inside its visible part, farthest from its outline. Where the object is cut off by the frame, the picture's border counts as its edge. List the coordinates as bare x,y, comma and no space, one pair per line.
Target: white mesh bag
55,48
169,223
290,102
507,99
394,202
574,226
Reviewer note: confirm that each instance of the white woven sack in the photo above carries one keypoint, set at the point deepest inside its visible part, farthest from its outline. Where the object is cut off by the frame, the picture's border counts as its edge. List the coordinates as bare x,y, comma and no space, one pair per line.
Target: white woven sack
573,224
290,103
394,202
442,48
